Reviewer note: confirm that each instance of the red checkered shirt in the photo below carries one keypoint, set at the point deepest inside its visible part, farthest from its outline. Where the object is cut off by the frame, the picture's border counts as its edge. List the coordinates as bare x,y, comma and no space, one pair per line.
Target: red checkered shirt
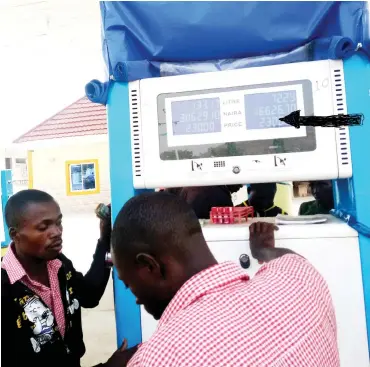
283,317
51,296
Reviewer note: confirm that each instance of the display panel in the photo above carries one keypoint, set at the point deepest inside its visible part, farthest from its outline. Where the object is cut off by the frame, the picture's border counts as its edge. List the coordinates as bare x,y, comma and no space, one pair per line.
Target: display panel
221,116
197,116
248,152
263,110
187,132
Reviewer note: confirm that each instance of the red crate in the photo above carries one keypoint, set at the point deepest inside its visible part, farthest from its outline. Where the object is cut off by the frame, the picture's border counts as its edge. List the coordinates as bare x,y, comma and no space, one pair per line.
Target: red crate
230,215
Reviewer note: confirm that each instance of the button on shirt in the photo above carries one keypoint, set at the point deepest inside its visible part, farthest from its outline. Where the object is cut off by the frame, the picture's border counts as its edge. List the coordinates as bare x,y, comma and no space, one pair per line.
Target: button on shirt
50,296
283,317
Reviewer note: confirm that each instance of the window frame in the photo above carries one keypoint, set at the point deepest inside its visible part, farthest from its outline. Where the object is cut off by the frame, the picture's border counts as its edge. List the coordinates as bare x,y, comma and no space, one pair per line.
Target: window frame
68,166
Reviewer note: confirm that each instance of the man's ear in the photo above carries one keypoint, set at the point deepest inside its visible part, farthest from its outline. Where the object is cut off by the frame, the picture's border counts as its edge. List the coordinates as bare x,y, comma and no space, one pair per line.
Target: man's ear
12,233
149,262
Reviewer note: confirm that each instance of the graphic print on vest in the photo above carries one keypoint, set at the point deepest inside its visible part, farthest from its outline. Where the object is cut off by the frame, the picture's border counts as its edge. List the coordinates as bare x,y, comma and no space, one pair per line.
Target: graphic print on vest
43,322
73,304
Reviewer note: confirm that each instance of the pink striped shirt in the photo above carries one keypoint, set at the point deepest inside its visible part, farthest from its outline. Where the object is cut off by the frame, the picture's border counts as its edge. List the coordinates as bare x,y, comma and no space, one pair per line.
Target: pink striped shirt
283,317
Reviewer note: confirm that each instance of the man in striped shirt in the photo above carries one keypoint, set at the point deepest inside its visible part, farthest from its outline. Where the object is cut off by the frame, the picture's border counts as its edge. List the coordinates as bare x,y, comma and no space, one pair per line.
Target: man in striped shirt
213,315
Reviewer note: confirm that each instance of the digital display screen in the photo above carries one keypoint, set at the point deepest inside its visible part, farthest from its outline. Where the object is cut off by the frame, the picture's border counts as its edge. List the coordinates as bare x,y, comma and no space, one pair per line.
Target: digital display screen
241,120
263,110
196,116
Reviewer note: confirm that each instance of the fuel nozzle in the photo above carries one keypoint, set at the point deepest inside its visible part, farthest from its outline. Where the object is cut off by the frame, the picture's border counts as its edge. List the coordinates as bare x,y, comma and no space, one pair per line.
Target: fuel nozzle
103,211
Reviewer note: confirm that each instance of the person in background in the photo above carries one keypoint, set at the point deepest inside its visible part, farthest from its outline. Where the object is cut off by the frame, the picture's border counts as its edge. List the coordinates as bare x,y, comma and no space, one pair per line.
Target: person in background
213,314
203,198
322,191
261,198
41,292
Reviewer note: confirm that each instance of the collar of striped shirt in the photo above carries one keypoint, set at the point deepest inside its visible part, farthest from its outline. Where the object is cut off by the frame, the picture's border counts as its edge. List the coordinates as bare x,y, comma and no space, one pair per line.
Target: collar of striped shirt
16,271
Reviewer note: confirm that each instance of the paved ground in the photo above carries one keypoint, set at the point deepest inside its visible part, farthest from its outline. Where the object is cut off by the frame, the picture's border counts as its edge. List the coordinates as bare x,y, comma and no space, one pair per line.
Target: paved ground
80,235
99,330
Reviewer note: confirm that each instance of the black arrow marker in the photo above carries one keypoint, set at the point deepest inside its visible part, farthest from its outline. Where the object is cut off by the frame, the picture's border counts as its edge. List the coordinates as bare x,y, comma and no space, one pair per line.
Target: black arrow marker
296,120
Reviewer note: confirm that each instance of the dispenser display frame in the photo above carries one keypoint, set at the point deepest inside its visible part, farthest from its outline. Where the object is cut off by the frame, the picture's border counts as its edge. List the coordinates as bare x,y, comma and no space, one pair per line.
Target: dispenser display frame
325,156
256,144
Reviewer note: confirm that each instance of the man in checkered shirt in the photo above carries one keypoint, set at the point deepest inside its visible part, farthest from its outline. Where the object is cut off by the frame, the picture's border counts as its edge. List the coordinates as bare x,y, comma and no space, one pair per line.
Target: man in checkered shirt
213,315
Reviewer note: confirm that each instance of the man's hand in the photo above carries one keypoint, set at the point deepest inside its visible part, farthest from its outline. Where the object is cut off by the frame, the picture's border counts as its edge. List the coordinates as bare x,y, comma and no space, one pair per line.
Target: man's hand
121,356
261,237
262,242
106,229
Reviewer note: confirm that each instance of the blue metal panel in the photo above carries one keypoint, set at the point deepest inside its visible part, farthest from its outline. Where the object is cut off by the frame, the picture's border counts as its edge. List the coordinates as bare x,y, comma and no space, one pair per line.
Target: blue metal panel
6,193
344,195
128,318
357,80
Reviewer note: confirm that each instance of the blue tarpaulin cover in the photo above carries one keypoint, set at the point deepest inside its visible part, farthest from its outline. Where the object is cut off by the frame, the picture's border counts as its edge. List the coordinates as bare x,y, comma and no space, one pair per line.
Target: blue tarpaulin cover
147,39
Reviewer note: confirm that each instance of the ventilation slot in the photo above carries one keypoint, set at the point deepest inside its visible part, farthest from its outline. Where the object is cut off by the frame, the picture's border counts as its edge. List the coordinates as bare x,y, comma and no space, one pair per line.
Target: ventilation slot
219,164
340,109
338,85
342,137
135,133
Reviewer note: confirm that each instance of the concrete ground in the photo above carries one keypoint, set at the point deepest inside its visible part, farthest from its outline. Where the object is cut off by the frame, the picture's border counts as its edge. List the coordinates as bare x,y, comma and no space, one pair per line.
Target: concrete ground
80,235
99,330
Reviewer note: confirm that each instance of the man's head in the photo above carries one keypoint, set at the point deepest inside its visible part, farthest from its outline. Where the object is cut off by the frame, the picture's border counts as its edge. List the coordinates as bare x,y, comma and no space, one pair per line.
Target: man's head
261,196
35,224
323,193
157,245
174,190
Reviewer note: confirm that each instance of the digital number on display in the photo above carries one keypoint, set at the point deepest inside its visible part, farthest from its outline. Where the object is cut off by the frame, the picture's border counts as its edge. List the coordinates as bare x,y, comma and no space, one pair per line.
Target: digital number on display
203,115
263,110
198,116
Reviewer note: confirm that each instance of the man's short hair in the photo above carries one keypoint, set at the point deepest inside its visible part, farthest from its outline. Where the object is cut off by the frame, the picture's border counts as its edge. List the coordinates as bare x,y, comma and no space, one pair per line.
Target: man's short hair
155,223
18,203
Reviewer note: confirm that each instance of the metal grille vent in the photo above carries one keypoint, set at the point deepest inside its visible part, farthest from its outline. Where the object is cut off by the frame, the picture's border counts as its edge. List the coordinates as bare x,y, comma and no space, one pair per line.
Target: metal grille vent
219,164
135,132
340,109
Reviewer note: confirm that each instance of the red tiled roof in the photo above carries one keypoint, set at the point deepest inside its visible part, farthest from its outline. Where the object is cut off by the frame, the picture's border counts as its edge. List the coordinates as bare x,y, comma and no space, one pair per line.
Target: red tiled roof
79,119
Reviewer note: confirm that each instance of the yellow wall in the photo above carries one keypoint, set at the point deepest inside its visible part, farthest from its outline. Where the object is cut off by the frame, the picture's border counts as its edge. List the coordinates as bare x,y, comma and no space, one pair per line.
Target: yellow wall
49,174
30,168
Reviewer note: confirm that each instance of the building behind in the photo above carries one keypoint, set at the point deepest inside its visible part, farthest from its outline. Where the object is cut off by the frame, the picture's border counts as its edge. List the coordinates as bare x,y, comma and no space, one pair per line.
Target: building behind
67,156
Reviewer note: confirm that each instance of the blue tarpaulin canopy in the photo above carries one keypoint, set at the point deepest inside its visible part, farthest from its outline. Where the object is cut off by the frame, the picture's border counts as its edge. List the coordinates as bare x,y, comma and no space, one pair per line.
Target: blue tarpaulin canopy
159,38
